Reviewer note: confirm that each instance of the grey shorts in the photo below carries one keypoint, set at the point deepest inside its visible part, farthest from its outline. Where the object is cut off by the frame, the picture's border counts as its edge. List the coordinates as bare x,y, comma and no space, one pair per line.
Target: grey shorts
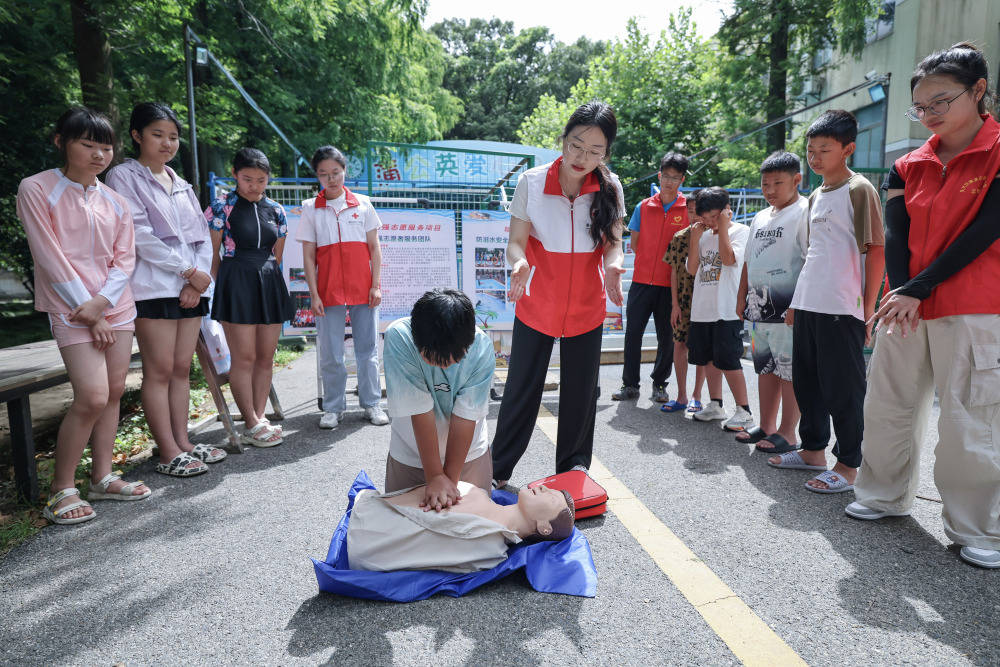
478,471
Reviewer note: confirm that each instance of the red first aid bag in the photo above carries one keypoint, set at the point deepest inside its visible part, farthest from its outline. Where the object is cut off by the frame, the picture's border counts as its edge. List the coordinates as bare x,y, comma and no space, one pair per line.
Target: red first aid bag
589,497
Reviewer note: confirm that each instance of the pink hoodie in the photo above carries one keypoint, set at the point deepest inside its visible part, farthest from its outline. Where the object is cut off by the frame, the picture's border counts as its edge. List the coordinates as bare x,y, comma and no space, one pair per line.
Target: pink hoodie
82,242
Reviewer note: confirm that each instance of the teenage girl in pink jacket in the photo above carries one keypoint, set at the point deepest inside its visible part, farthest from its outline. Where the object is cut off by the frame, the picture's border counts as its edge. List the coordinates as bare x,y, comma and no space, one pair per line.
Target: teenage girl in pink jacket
81,239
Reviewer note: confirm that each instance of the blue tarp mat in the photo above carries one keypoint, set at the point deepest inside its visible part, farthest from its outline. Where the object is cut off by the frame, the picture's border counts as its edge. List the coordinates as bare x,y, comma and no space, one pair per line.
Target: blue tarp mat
551,567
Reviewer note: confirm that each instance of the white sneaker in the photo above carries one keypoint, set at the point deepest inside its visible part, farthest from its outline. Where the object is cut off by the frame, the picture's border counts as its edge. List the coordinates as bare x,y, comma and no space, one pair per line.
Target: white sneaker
376,415
987,558
329,420
712,410
741,420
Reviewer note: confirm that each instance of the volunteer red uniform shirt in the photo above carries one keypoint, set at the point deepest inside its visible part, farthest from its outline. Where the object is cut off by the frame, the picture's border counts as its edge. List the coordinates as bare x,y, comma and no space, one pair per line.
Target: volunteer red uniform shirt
565,291
656,229
941,203
339,228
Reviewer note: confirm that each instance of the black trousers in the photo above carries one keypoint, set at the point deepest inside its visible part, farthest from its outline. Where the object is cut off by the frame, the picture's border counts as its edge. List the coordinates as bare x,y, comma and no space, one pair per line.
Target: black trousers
579,366
828,375
643,301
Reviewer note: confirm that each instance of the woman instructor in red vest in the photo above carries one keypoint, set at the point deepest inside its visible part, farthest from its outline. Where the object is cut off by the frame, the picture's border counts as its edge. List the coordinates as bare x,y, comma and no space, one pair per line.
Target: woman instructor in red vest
940,325
565,253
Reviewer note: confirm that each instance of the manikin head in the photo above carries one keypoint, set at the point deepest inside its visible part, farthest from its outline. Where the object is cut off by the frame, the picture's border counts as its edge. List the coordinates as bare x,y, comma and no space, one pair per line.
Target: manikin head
549,512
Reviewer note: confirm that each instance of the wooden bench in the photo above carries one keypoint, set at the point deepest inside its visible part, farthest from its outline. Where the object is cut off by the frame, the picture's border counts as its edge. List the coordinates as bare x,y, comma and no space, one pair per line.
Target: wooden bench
26,369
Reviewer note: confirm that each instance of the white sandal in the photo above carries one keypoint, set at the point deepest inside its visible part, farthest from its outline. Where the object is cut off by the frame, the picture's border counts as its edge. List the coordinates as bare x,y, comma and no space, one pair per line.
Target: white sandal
127,492
56,516
274,427
259,436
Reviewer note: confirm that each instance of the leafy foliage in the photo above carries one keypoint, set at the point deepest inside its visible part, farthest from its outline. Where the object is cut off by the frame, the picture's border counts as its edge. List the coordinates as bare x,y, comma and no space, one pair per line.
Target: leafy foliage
501,75
326,71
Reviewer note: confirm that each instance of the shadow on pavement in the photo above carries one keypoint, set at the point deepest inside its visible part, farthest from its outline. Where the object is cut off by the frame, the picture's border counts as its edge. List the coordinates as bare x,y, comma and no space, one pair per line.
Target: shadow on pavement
385,633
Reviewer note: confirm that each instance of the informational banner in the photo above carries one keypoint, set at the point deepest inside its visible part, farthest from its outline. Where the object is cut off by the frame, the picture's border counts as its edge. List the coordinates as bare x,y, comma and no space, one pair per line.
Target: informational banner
485,272
418,254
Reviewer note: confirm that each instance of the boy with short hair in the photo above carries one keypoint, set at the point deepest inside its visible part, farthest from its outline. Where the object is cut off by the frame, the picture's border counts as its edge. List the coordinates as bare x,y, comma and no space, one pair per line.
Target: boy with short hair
834,298
779,236
681,290
715,258
438,372
658,218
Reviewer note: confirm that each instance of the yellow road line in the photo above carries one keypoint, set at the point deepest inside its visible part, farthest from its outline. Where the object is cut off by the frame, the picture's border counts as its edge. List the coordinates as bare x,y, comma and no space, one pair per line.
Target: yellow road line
745,633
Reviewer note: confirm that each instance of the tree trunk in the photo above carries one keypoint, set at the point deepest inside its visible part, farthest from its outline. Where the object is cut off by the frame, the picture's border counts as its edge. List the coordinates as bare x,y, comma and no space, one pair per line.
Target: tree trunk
777,57
93,59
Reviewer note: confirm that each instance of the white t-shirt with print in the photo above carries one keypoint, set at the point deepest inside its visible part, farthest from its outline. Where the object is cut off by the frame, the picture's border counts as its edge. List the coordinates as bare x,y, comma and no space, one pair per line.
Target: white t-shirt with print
775,254
715,284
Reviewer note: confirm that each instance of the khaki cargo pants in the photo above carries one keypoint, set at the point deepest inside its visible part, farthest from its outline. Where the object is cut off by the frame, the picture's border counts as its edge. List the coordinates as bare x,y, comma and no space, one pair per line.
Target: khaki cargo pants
959,356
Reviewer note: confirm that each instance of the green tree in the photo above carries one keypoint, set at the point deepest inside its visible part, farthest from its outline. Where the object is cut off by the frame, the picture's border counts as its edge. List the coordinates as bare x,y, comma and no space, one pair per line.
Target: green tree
501,74
780,39
662,92
326,71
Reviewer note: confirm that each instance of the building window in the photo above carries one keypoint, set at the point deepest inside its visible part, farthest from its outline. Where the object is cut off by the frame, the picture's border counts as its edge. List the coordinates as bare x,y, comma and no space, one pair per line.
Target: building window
868,146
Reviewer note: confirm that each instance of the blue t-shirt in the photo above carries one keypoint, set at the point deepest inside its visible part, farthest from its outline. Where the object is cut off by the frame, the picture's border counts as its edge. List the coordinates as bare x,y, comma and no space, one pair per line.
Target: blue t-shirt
414,387
633,223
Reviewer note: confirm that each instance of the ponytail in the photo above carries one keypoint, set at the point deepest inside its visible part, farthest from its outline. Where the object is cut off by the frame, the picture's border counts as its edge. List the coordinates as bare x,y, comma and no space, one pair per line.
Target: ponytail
606,208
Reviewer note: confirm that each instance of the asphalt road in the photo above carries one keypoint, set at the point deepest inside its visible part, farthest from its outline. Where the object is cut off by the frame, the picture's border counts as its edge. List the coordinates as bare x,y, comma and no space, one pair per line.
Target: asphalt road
216,569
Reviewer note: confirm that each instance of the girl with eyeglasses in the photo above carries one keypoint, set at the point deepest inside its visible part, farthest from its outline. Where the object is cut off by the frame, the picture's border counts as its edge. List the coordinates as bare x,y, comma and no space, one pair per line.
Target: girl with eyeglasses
565,252
940,324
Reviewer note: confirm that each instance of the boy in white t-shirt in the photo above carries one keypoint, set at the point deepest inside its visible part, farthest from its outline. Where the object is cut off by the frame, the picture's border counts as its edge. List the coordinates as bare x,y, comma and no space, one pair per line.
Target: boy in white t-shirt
834,298
779,236
438,372
715,259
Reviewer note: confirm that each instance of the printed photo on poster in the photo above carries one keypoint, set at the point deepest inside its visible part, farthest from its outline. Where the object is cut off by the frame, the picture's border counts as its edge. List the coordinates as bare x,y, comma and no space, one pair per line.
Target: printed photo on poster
486,278
297,280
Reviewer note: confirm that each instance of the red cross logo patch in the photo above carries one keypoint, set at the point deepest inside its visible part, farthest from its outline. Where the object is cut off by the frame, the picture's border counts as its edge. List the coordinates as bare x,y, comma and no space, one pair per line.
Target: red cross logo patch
355,216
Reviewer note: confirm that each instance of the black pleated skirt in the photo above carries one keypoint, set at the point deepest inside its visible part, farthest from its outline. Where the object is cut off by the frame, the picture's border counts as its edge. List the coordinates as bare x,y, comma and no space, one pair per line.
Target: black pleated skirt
251,290
169,308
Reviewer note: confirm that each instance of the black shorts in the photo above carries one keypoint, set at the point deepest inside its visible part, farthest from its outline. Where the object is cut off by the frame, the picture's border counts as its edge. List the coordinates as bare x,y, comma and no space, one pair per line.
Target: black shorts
169,308
719,342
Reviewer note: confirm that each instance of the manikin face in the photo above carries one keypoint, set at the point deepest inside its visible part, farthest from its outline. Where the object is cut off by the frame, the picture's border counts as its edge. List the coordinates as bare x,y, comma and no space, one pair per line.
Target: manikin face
962,110
330,175
541,505
158,141
251,182
779,187
583,149
86,156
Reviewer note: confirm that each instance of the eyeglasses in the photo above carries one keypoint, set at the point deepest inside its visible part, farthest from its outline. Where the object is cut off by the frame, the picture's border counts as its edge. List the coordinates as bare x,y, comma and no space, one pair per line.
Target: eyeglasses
576,148
672,179
938,108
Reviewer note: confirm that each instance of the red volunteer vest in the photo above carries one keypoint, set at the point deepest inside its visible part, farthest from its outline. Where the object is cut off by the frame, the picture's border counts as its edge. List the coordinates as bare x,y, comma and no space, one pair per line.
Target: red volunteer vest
656,229
565,293
344,273
941,203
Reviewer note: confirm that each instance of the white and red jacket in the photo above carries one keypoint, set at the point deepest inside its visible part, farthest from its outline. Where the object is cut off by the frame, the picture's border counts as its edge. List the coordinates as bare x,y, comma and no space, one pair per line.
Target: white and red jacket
339,228
82,242
656,229
564,295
